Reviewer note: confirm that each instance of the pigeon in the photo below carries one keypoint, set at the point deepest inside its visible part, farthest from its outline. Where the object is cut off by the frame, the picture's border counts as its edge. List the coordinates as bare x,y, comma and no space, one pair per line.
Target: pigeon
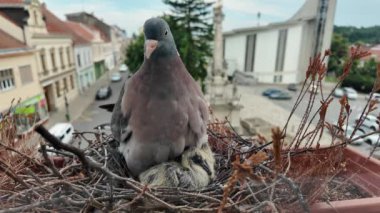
161,110
194,170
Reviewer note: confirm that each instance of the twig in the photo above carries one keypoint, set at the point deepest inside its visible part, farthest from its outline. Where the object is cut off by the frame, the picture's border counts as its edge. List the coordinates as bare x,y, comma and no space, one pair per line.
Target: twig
50,162
292,185
8,171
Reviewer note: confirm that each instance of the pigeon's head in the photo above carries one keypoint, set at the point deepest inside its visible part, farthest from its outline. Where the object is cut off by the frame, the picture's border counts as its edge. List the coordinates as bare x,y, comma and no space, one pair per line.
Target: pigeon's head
159,40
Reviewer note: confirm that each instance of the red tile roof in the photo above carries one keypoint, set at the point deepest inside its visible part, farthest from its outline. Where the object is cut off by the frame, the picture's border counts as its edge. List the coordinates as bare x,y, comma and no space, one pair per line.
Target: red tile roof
81,34
11,1
9,42
53,24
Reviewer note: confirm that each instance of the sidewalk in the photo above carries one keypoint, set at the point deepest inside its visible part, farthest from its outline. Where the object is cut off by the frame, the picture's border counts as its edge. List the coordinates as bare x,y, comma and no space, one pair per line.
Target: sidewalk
79,103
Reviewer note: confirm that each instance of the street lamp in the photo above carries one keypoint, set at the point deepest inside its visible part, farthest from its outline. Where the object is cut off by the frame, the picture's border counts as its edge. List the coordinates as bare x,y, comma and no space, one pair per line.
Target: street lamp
67,115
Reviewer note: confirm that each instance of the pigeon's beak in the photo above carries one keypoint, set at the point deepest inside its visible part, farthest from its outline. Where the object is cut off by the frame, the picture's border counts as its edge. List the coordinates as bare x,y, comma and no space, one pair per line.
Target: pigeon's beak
150,46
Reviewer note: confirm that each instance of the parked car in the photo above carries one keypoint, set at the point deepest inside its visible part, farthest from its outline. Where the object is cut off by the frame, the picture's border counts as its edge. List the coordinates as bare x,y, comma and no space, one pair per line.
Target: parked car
270,91
349,130
292,87
375,96
115,77
103,93
350,93
123,68
338,92
369,121
372,139
63,131
280,95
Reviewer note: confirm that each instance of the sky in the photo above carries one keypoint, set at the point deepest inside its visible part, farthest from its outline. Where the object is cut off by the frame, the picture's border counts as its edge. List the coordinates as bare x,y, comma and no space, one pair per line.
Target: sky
131,14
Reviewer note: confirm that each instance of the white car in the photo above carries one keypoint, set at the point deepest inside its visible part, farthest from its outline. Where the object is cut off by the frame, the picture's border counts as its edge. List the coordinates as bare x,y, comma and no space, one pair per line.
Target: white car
123,68
338,92
373,139
350,92
349,130
115,77
63,131
369,121
375,96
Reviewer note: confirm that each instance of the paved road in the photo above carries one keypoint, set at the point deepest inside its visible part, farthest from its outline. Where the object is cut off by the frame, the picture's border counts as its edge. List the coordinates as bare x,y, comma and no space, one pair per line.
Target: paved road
93,115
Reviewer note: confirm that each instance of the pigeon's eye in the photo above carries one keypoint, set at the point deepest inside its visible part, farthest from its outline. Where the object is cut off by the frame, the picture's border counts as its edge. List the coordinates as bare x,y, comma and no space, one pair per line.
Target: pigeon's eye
166,32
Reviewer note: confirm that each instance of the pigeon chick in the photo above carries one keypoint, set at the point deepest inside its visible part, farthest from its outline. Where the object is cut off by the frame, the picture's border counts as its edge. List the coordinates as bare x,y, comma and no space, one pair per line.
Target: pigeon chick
161,109
194,171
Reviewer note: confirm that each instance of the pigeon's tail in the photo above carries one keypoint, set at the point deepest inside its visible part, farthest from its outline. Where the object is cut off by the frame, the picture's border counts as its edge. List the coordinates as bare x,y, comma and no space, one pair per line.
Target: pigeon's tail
108,107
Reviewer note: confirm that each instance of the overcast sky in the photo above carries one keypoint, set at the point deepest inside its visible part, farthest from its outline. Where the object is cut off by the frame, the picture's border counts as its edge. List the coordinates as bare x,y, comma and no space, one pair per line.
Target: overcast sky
131,14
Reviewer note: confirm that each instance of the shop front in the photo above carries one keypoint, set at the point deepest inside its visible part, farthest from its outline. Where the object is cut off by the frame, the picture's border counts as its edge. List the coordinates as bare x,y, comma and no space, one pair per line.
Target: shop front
29,113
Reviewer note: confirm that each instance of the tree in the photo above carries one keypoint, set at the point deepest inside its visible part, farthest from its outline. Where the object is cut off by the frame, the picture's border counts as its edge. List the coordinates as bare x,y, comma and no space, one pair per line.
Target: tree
339,48
193,33
135,53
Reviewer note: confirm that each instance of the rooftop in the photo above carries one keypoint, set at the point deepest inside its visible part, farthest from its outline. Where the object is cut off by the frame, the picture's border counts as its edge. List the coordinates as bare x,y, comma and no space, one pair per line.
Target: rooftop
9,42
53,24
81,34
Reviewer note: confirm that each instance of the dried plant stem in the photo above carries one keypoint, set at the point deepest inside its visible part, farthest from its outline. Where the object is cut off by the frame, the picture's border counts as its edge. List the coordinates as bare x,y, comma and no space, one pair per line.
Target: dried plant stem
292,185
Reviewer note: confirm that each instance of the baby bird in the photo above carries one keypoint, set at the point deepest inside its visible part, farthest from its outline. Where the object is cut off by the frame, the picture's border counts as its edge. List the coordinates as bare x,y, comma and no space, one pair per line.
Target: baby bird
194,170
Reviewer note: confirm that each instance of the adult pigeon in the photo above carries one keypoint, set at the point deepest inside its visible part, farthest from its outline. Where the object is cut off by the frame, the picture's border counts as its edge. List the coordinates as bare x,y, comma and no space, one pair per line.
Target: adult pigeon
161,110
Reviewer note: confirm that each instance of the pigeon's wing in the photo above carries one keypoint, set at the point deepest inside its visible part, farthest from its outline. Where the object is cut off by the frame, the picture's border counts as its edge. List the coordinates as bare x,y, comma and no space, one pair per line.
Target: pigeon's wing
119,120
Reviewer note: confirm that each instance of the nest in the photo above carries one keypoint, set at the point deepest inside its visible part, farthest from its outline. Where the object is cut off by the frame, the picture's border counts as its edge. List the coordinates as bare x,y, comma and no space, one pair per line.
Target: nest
252,174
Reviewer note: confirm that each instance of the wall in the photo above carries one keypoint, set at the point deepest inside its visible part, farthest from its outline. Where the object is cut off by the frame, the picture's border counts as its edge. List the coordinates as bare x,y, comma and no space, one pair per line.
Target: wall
265,56
266,52
234,54
20,91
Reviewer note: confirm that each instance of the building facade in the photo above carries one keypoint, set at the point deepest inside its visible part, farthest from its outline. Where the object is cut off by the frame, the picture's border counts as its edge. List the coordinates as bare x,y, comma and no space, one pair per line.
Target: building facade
45,33
102,47
85,70
19,85
280,52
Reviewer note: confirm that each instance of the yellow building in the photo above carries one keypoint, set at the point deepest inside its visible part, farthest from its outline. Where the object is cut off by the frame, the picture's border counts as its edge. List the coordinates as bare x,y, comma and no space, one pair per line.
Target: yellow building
19,82
44,32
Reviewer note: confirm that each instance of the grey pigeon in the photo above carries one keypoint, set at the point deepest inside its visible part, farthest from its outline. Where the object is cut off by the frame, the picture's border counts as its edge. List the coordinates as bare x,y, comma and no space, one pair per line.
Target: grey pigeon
161,109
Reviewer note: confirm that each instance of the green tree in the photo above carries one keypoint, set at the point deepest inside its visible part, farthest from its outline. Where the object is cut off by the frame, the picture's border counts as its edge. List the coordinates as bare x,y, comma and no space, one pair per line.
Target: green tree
339,49
135,53
193,33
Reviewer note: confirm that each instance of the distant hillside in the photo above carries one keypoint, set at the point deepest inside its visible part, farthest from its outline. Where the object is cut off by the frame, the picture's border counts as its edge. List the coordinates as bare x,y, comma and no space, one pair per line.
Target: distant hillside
370,35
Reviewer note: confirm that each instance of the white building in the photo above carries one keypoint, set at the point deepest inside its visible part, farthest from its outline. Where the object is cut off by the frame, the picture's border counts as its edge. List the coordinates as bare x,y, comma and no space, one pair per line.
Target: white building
280,52
82,37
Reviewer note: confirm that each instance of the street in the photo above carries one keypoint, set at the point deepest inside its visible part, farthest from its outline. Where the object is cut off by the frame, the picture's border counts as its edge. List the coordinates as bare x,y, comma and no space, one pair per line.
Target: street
93,115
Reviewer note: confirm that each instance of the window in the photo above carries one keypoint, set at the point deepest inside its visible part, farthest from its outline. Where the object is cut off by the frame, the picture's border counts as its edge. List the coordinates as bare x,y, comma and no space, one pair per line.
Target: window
78,60
281,47
26,74
61,58
72,81
65,85
250,52
68,56
58,89
6,80
52,55
43,62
